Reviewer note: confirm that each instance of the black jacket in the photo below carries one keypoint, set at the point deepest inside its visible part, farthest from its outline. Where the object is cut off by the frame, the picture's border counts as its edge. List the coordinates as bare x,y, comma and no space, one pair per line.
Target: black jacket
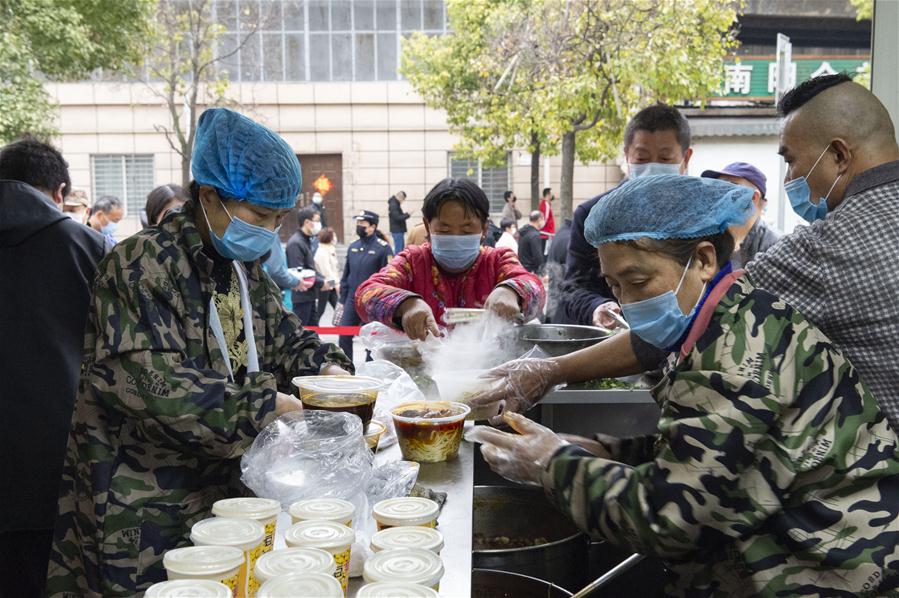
322,212
493,234
558,247
299,255
47,267
530,249
397,216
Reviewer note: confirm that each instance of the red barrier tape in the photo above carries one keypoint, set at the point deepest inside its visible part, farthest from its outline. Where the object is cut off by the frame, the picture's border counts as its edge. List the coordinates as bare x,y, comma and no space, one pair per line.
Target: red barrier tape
338,330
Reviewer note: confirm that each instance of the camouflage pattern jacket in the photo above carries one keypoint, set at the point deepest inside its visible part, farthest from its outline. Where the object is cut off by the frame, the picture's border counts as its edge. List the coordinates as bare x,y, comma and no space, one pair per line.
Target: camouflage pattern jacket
158,428
774,472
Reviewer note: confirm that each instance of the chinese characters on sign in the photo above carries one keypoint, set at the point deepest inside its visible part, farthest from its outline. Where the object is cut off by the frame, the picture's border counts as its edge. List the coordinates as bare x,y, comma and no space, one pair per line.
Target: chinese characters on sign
756,78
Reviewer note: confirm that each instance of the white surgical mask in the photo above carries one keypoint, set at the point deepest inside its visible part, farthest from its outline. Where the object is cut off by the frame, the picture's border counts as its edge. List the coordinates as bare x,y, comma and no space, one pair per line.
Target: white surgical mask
316,228
652,169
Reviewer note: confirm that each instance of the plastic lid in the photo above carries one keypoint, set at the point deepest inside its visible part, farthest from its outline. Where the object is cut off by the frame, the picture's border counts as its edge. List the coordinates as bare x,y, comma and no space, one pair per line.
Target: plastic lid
327,509
192,588
202,560
245,534
260,509
301,585
294,560
408,510
338,384
395,589
411,565
459,411
408,536
319,534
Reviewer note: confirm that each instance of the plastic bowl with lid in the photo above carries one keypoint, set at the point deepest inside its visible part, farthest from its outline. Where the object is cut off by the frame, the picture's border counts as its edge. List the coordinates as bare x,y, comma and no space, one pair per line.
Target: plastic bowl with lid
351,394
263,510
408,536
188,588
410,565
301,585
212,563
294,560
406,510
323,509
395,589
429,431
373,434
245,534
330,536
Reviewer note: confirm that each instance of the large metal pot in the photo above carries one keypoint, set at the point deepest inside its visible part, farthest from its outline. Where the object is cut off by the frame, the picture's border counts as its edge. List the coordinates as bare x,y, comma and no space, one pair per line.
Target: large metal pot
486,583
520,512
559,339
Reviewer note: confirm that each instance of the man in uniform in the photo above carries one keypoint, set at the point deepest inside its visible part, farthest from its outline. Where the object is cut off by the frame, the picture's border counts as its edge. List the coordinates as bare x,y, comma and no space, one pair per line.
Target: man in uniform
189,354
364,257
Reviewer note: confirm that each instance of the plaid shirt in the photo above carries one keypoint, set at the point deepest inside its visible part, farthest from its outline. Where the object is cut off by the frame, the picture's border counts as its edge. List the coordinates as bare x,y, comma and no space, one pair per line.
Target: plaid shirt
841,273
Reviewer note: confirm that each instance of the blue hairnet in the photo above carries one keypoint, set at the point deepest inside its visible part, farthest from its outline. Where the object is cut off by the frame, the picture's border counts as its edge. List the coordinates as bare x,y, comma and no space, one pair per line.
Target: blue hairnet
667,206
243,160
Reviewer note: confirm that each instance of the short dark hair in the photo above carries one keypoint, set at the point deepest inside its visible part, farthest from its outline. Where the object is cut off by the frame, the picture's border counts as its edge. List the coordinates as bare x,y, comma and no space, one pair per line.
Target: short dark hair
547,191
659,117
36,163
506,223
464,191
306,213
162,196
106,204
683,249
507,195
801,94
326,235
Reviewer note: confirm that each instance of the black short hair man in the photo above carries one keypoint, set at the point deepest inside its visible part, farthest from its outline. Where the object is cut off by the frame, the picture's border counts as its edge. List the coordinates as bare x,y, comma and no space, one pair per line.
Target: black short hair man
301,255
530,247
398,218
656,141
48,261
510,210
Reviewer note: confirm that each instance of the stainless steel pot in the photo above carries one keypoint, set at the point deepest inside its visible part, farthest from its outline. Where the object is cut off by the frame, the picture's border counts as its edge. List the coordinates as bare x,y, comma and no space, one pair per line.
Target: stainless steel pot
559,339
486,583
521,512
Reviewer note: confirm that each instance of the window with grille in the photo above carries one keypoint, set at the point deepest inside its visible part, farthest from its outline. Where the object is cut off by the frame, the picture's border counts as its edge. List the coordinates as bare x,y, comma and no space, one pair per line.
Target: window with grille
321,40
127,176
493,180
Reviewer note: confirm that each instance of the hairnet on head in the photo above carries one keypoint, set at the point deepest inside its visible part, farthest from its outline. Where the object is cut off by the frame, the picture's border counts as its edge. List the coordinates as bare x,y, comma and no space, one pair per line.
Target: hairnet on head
667,206
245,161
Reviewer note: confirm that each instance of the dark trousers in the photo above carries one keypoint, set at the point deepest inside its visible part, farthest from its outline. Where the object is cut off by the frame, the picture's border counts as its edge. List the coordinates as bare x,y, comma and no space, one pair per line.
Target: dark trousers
350,318
325,298
305,312
23,562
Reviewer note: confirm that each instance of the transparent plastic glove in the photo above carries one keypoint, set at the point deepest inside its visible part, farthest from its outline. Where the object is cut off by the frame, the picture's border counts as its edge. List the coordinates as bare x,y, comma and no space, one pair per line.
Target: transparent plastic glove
608,316
523,383
518,457
503,301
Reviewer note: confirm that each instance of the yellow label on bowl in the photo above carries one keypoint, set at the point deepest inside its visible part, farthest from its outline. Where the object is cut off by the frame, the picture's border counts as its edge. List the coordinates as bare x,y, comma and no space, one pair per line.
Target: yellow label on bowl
269,542
342,573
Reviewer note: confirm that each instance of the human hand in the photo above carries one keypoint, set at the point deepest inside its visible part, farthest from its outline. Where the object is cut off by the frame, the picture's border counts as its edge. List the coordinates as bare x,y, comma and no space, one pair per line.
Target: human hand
503,301
327,286
524,382
604,318
417,319
332,369
303,286
588,444
285,403
520,457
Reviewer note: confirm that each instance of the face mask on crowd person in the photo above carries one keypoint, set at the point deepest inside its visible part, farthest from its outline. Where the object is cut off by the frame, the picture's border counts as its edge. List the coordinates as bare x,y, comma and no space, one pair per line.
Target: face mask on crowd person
109,228
455,252
652,169
361,231
800,195
316,228
241,241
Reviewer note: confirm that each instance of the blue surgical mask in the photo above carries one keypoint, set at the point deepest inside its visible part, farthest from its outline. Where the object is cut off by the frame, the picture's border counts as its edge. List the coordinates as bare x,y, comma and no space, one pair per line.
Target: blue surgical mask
242,241
659,321
652,169
109,228
455,252
800,195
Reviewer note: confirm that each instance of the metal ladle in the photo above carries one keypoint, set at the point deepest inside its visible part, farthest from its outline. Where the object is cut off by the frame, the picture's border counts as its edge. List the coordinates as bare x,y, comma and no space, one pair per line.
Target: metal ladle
609,575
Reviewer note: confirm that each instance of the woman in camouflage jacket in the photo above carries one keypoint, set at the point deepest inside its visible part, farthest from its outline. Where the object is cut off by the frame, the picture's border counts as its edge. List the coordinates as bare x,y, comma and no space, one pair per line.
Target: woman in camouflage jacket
774,472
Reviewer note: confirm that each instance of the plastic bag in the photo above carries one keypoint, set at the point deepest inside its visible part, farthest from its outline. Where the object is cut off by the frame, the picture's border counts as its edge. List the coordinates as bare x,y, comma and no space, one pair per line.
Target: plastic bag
398,388
308,454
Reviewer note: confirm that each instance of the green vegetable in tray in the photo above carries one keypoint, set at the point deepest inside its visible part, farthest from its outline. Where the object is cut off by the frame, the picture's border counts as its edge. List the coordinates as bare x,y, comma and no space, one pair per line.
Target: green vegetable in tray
601,384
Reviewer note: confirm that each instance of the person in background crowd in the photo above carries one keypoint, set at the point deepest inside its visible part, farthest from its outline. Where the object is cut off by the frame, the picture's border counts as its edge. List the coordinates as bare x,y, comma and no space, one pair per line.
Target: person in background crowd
397,218
106,214
318,204
275,264
558,248
454,269
656,141
530,248
48,262
77,206
774,472
161,200
364,257
493,233
510,209
189,354
754,236
556,255
326,265
300,255
549,223
507,239
418,235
